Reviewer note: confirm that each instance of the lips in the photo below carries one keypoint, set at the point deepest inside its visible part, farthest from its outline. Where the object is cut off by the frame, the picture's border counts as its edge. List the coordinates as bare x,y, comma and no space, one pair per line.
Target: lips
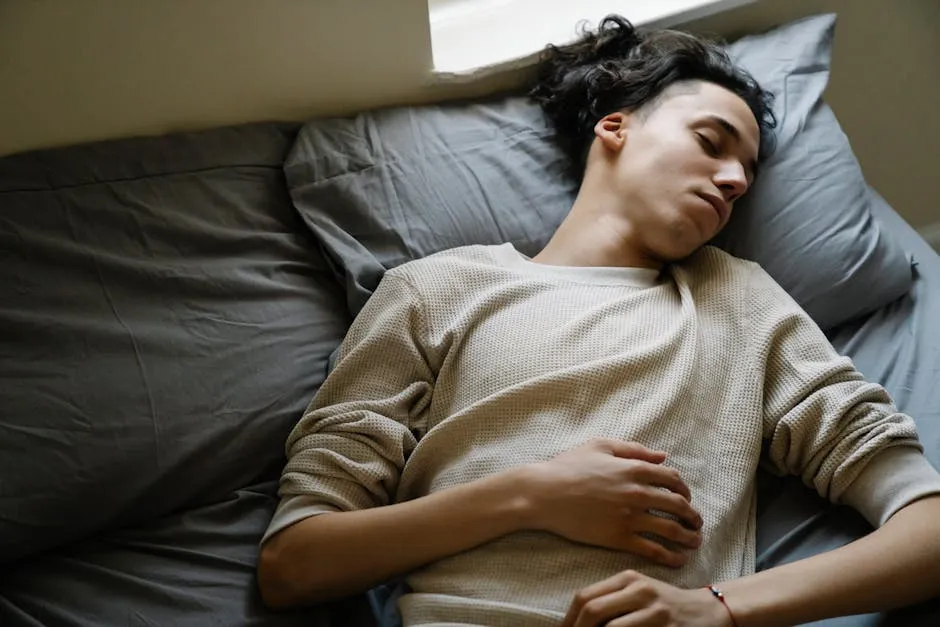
718,204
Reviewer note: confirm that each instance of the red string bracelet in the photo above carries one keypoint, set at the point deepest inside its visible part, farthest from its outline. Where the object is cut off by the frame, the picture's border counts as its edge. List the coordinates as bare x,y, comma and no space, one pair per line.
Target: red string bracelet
718,594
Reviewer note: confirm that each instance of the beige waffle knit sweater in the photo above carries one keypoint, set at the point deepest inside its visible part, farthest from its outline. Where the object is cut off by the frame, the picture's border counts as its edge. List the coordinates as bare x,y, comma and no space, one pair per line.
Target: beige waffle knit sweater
477,359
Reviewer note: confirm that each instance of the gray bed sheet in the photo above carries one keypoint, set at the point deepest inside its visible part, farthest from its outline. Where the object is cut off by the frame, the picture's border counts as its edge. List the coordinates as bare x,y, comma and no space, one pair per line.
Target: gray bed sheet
164,319
195,568
899,347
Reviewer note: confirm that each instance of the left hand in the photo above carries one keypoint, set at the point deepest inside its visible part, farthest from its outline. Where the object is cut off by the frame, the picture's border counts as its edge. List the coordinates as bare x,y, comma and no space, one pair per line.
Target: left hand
630,599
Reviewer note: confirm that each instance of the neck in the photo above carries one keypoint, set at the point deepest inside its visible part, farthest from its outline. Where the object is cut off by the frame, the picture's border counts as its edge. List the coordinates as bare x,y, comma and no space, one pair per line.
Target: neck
595,234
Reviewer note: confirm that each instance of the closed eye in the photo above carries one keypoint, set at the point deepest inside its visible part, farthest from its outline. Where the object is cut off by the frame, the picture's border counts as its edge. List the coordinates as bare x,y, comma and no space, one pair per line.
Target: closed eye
708,145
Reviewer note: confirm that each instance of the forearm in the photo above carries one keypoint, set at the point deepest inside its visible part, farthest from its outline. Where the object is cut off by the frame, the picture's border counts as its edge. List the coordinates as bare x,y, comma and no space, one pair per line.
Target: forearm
896,565
338,554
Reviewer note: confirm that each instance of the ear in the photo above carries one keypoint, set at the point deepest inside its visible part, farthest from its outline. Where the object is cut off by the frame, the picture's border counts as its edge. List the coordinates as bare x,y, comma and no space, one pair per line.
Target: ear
612,130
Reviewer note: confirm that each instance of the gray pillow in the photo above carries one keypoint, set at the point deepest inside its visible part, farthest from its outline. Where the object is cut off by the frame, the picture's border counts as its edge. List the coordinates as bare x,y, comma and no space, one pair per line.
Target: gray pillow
388,186
809,221
165,319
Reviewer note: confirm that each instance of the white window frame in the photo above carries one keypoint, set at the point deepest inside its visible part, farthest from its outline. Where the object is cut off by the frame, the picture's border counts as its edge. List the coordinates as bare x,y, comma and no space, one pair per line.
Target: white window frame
472,38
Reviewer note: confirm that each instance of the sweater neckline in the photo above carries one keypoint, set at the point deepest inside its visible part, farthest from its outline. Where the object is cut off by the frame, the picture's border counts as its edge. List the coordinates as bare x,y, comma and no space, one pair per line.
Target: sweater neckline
589,275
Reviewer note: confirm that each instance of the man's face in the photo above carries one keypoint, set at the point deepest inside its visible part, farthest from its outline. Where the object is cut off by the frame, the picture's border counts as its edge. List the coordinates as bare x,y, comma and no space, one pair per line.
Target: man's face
682,165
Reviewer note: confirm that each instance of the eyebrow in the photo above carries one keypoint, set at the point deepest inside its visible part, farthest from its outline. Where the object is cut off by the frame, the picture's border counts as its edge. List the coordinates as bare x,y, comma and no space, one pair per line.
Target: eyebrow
733,131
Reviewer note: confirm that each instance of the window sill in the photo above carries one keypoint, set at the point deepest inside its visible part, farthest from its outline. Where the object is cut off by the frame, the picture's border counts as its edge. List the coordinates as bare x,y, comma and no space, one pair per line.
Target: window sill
471,39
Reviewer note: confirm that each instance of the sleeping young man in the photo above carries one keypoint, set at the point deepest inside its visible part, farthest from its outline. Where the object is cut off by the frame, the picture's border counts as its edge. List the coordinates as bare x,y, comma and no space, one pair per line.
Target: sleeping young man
573,439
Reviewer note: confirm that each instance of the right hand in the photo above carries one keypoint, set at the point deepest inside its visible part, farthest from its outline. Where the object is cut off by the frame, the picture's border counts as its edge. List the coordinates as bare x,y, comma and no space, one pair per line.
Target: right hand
601,493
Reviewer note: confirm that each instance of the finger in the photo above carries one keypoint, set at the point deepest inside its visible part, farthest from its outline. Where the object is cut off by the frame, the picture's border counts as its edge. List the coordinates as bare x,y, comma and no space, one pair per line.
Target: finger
671,503
655,552
669,530
594,591
662,477
633,450
601,610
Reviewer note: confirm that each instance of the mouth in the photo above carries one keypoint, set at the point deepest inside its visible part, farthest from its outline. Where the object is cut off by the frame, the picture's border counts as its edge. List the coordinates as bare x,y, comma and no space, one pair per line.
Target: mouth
718,204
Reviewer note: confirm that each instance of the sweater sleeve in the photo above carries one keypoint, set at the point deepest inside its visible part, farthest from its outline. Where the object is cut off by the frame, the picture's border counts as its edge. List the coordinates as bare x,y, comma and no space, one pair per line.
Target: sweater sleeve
823,422
348,450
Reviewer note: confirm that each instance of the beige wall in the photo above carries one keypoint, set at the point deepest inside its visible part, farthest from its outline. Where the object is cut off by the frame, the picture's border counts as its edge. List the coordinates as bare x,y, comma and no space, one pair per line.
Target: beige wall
75,71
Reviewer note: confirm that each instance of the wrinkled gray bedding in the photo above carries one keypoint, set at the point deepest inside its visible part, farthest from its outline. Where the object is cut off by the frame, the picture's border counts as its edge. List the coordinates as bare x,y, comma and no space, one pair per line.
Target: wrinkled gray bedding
191,569
165,319
166,315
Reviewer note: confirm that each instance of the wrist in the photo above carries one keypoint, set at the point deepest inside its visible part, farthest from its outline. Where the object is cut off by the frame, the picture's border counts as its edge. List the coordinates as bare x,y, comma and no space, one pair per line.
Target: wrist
720,611
520,487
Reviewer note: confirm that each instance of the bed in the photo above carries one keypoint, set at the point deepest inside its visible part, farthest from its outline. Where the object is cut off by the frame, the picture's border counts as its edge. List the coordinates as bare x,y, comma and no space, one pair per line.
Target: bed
172,303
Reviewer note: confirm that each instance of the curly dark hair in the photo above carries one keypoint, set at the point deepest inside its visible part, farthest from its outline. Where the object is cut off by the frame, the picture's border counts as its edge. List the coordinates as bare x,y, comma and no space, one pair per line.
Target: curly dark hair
621,68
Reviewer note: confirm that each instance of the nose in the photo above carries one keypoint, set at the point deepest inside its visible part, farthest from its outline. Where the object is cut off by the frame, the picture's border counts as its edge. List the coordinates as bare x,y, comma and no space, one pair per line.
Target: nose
731,179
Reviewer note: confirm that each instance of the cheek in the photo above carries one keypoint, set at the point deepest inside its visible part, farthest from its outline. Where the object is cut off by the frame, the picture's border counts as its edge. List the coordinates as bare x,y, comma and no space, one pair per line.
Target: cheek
652,170
673,162
660,171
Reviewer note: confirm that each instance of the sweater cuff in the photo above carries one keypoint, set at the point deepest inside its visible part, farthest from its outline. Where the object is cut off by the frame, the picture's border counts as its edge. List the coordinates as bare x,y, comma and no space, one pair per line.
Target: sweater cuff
293,509
892,479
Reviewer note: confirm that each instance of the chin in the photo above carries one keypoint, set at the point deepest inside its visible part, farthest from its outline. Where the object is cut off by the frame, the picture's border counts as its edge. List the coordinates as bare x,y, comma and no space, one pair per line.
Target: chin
672,254
679,257
679,249
676,238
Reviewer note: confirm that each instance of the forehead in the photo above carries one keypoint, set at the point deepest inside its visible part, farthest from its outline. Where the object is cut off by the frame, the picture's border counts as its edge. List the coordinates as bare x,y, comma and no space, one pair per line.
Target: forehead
703,101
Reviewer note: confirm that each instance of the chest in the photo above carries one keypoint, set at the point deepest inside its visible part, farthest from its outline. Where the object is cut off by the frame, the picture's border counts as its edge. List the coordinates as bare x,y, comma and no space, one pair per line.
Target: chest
533,339
525,378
